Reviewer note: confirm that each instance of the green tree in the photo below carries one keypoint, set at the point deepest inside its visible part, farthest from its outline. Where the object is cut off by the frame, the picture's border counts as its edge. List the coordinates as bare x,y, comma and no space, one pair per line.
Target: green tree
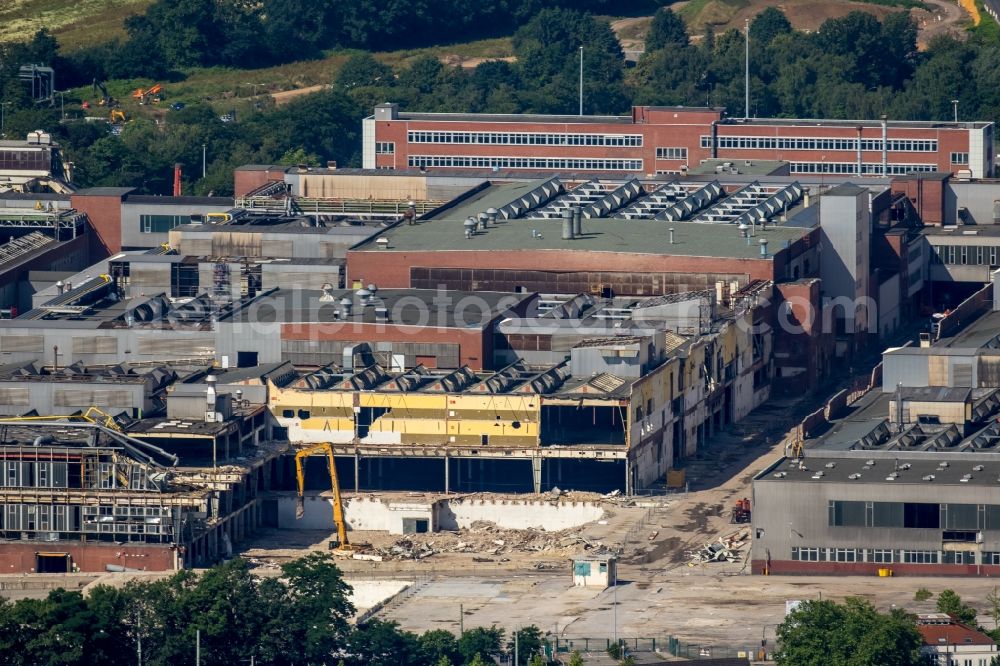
666,29
769,24
825,633
575,659
438,645
547,50
362,69
993,599
949,602
380,643
481,642
529,643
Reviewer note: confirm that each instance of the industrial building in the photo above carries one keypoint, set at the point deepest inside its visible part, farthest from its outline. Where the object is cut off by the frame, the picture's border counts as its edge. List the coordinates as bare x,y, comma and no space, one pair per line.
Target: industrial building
34,164
123,220
904,478
672,140
622,238
594,422
84,489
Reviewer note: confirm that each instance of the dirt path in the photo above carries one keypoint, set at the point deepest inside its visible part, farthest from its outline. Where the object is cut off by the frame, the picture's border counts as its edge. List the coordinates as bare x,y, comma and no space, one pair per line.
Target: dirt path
945,17
455,60
287,96
631,34
808,15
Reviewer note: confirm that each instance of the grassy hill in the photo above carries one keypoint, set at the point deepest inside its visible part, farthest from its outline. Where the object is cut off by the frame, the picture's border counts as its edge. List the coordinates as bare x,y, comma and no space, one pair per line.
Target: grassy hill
74,22
227,89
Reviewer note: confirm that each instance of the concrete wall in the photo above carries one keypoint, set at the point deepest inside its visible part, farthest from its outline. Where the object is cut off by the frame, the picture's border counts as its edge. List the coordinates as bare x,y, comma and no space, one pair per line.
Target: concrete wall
845,224
367,594
980,200
22,343
52,397
382,513
795,513
131,230
888,306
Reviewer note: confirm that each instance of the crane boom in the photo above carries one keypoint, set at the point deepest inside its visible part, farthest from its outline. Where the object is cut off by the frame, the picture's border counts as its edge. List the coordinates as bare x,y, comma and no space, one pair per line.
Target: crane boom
338,507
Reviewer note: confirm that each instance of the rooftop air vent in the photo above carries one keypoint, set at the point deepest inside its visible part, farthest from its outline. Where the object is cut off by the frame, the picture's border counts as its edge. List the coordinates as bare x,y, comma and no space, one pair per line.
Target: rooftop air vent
854,477
929,477
978,468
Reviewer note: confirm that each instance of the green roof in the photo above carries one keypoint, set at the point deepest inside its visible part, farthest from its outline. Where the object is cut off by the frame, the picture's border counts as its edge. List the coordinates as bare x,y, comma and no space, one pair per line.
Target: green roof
445,231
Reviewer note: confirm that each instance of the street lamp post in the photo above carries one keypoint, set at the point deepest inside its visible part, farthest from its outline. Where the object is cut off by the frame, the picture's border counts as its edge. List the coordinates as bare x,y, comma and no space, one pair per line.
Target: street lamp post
203,155
954,104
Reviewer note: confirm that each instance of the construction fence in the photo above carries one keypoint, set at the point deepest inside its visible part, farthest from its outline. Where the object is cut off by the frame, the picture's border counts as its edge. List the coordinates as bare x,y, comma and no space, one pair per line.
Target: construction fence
668,645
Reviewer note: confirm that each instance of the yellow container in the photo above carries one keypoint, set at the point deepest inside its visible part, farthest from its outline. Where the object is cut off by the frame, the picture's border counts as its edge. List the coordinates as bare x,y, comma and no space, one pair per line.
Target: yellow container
884,573
675,478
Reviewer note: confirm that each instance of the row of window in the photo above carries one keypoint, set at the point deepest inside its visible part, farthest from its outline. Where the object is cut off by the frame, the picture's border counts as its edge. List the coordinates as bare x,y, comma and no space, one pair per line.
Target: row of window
852,167
893,556
960,158
671,153
25,160
385,147
524,138
875,555
918,515
158,224
975,255
820,143
566,163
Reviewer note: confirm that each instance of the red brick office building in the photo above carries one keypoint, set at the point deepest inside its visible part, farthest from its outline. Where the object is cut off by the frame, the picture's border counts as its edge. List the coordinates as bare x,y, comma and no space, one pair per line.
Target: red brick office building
670,140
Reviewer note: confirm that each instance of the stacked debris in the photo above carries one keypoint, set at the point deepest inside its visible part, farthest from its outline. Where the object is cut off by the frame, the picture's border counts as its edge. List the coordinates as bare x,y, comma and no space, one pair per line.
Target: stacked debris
485,540
728,548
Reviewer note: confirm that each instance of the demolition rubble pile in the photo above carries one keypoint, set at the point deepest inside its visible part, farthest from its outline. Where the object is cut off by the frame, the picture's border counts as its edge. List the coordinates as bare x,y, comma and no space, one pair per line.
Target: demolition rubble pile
486,541
728,548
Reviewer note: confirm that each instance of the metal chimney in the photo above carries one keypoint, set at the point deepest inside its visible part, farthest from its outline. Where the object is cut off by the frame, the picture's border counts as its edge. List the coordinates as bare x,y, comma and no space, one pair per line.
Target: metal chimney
567,224
577,221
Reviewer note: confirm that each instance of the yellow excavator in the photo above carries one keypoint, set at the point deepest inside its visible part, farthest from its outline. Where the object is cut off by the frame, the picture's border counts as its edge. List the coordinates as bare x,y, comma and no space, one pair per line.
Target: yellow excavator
92,415
341,544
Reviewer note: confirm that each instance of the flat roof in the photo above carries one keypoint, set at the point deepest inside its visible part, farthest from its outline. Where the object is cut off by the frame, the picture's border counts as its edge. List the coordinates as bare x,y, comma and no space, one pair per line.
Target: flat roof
845,190
262,167
975,335
238,375
726,120
513,118
961,231
295,226
179,201
407,307
829,122
103,191
897,470
445,231
755,168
